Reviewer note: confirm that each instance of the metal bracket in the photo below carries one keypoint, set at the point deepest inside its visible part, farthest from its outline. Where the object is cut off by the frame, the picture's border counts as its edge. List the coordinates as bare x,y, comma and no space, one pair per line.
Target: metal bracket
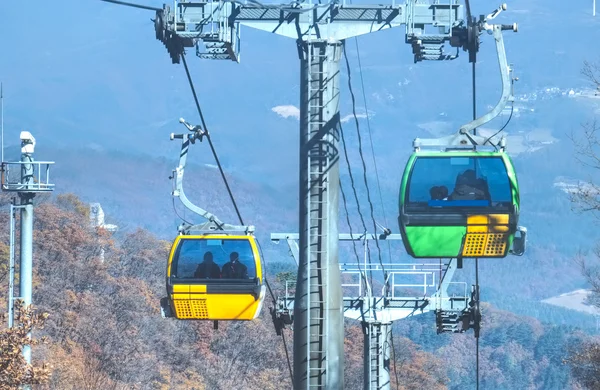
460,320
212,228
464,139
38,176
213,223
213,27
519,243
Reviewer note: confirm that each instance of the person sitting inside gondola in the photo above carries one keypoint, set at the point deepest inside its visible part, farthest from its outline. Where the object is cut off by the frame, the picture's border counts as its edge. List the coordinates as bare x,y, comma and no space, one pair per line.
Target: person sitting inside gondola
468,187
208,269
439,193
234,269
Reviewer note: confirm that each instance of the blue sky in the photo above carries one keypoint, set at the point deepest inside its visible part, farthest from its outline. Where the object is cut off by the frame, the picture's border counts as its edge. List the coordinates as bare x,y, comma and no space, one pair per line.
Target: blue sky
91,74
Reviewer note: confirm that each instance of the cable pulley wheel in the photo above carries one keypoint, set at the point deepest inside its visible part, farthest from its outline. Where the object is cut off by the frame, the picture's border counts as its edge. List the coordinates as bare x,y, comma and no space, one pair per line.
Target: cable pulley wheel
473,31
159,26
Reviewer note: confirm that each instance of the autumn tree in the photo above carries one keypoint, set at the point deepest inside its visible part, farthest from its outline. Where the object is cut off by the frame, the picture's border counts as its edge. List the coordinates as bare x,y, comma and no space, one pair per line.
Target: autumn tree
106,331
14,370
585,361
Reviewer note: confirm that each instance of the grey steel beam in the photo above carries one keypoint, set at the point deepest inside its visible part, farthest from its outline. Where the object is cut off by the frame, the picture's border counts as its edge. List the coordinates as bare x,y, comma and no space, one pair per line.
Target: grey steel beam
318,343
344,21
341,237
377,356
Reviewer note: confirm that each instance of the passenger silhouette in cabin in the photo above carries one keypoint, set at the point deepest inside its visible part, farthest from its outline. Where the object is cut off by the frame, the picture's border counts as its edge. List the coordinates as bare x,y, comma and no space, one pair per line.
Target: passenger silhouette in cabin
233,269
469,187
439,193
208,269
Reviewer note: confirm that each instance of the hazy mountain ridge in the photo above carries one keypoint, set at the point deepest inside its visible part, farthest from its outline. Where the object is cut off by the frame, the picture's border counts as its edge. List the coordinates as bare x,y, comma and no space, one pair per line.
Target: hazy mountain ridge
135,191
101,97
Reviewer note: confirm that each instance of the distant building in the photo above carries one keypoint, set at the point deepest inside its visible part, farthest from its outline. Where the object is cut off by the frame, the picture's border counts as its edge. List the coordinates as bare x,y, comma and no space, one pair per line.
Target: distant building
97,218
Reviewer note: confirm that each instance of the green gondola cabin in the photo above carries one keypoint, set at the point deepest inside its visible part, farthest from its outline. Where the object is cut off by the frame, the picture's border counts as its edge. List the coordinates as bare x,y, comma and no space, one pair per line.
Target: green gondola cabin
458,204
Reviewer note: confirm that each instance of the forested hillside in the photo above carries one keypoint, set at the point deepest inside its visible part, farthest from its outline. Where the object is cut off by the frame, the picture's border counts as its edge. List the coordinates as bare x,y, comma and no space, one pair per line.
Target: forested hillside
135,191
105,330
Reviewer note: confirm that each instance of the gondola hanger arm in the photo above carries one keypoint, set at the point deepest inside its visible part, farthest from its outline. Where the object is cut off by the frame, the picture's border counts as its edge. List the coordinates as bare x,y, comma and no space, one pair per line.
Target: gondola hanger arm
464,138
496,30
214,223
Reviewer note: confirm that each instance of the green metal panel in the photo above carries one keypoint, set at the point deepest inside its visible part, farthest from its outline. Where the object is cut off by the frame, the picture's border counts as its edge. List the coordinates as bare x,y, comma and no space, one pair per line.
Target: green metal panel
410,163
512,177
435,241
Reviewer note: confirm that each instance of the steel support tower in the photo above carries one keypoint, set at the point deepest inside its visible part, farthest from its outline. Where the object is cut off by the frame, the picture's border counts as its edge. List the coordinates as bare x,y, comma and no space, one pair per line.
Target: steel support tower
27,178
377,310
320,30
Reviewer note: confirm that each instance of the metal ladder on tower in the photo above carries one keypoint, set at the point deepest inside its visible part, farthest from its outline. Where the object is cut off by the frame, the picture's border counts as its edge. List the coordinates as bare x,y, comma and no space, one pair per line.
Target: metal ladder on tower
319,207
374,350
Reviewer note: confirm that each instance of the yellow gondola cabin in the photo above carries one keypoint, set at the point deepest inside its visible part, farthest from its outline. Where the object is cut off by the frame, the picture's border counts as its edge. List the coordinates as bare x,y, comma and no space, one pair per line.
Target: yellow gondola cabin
215,277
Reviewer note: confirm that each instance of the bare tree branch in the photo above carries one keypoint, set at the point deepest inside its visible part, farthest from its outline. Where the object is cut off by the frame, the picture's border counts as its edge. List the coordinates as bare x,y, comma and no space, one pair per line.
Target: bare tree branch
585,359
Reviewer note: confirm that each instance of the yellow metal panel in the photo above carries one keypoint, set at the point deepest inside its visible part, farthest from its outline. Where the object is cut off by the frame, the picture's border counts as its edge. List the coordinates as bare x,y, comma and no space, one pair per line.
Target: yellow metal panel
477,229
477,220
487,235
496,244
198,288
498,229
217,307
191,309
179,288
498,219
474,244
232,306
181,296
485,244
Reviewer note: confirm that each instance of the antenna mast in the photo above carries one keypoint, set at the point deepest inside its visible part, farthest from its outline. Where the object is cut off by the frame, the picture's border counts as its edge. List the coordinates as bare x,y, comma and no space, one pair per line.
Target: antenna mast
2,120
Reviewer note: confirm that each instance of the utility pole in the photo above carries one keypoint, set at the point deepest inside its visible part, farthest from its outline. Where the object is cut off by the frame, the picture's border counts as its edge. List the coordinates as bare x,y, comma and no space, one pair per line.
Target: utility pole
26,197
26,182
2,121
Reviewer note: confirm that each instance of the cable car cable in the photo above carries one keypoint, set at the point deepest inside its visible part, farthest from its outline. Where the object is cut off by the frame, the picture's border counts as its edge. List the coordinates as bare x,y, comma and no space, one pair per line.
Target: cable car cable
357,201
209,139
476,259
357,204
191,83
394,360
274,304
498,132
474,93
362,159
477,318
350,228
362,82
177,213
133,5
474,97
